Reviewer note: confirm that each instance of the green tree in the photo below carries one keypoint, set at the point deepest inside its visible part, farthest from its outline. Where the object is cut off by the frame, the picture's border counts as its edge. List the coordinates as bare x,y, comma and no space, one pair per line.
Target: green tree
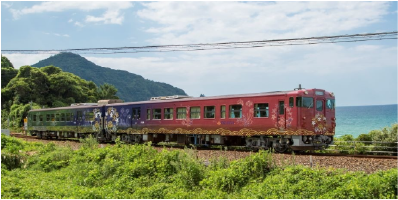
107,91
19,111
48,86
7,71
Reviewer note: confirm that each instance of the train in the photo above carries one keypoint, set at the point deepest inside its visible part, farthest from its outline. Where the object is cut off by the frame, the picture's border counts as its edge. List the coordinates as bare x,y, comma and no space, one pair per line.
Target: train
298,119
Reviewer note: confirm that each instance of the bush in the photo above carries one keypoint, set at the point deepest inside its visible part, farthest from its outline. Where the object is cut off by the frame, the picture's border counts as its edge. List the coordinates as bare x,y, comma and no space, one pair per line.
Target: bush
388,137
140,171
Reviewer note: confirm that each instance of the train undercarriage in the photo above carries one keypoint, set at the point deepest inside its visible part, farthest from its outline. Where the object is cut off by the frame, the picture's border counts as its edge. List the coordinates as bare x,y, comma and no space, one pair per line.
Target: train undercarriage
277,143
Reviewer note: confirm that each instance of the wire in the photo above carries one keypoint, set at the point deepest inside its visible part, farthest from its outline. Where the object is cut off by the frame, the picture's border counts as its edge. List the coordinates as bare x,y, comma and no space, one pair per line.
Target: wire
218,46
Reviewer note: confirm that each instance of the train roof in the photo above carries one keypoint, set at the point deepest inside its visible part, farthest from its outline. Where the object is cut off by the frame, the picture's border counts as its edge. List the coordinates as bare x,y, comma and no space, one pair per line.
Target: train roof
65,108
273,93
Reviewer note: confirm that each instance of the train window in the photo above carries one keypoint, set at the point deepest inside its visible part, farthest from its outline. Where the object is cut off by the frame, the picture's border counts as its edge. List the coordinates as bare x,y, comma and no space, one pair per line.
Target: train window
34,118
281,107
48,117
235,111
157,113
68,117
291,102
210,112
299,101
63,117
52,117
261,110
195,112
90,116
319,105
57,117
79,115
222,112
136,113
181,113
305,102
308,102
148,114
41,118
330,103
168,113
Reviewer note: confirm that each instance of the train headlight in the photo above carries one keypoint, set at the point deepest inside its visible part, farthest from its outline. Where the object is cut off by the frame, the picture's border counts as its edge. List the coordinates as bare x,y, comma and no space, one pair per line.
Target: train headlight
310,138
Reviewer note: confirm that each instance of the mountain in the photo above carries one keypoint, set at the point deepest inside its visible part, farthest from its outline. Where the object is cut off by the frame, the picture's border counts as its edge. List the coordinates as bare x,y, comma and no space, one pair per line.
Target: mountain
131,87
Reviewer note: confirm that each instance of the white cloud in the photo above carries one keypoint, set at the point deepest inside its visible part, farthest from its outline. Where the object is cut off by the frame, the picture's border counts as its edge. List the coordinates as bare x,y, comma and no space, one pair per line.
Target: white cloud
19,60
7,5
79,24
268,68
193,22
256,70
111,16
367,47
63,35
333,67
56,34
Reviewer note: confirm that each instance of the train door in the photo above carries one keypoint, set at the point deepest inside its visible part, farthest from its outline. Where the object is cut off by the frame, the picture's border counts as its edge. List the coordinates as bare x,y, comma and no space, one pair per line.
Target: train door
320,106
321,124
281,115
135,117
330,114
79,121
305,107
291,115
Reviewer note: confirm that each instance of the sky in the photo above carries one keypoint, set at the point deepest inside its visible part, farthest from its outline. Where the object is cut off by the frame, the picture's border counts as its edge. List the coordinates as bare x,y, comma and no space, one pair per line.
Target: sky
360,73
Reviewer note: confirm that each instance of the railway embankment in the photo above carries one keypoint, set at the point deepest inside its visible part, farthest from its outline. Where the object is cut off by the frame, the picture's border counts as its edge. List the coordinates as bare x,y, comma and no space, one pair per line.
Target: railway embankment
367,164
66,169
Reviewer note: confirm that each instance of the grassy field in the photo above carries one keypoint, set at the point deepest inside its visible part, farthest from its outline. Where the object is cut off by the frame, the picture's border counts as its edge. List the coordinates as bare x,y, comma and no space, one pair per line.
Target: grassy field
36,170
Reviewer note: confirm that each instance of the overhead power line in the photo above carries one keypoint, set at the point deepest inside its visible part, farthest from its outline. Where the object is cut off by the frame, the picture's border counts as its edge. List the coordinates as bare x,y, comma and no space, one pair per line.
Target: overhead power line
223,45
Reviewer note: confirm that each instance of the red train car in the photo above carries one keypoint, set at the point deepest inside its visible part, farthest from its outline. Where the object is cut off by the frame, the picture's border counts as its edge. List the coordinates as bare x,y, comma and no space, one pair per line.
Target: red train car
300,119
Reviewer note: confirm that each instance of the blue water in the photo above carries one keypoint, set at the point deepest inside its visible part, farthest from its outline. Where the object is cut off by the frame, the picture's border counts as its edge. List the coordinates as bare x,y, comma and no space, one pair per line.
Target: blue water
356,120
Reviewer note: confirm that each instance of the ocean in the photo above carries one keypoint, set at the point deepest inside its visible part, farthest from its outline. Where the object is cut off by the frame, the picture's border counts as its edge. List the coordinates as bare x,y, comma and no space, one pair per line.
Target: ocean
355,120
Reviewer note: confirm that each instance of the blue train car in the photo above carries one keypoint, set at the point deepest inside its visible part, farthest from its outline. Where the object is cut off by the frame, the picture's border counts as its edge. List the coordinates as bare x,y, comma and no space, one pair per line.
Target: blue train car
65,122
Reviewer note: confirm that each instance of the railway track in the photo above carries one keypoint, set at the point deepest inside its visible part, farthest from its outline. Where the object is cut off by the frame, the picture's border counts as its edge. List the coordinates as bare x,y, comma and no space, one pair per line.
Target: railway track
232,149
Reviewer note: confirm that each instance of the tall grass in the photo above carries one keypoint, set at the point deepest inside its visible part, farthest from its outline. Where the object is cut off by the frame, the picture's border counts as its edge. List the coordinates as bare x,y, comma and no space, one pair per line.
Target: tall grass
140,171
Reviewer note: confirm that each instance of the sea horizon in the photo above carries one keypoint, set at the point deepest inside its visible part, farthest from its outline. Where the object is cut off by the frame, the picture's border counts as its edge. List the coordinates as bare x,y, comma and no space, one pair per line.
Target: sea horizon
356,120
368,105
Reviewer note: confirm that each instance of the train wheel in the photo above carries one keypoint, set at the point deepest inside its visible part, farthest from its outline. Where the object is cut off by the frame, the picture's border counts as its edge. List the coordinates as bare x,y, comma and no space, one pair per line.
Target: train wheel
280,148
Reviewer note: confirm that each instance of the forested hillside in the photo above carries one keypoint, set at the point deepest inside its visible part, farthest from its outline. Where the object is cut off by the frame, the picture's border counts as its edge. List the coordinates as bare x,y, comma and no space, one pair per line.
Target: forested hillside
7,71
31,87
131,87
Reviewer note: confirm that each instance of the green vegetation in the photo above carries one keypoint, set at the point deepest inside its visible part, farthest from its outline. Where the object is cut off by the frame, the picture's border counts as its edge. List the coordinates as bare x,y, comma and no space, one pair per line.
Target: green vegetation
33,170
131,87
375,141
33,88
7,71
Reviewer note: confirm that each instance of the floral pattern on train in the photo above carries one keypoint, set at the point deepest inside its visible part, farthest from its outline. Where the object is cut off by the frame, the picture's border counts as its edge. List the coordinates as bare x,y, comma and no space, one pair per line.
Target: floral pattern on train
247,113
281,122
111,119
319,123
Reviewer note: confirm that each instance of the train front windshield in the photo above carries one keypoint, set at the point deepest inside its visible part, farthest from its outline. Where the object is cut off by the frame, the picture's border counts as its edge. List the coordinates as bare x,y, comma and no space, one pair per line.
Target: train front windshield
305,102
